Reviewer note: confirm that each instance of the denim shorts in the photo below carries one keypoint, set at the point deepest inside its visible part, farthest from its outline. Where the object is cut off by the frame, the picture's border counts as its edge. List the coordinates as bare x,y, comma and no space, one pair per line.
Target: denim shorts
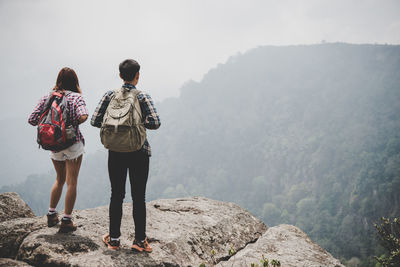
69,153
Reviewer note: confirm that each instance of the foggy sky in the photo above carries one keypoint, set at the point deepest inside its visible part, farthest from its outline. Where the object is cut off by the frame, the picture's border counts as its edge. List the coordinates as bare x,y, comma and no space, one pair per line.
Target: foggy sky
174,41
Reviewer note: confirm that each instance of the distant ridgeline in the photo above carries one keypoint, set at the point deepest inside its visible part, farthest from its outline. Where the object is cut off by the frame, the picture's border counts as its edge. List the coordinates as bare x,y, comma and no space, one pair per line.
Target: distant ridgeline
304,135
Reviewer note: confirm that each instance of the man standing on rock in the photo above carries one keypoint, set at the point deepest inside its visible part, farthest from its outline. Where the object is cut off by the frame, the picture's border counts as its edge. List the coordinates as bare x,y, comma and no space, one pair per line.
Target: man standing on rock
123,116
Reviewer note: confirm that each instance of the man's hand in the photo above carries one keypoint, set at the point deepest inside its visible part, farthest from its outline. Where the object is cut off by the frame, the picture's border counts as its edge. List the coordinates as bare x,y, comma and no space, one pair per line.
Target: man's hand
82,119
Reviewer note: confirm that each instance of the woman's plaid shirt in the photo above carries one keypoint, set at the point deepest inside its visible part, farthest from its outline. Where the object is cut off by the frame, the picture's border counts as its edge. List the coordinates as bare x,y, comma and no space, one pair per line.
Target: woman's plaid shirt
150,117
76,107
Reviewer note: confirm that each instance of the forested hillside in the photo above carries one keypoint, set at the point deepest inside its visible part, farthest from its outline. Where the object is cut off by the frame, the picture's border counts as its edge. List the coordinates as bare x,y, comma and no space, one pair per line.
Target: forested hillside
305,135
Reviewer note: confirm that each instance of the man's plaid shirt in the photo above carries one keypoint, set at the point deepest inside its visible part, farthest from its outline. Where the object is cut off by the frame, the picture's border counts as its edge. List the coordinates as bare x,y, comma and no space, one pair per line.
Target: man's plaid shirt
150,117
76,107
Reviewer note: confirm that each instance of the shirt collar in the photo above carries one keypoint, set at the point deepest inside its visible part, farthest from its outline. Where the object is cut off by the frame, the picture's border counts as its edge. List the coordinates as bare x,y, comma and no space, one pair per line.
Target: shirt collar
128,86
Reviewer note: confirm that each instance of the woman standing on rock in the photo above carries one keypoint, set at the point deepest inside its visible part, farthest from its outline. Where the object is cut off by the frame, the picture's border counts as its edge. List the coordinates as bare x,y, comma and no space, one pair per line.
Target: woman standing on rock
66,161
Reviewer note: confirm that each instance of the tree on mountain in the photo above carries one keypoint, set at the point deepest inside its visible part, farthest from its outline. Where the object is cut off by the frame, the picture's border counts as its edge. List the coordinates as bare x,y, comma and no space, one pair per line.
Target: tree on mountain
388,232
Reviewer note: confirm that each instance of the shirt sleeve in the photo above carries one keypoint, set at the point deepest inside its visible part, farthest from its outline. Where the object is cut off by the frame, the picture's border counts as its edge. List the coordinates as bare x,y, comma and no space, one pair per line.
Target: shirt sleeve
80,107
97,117
150,116
37,111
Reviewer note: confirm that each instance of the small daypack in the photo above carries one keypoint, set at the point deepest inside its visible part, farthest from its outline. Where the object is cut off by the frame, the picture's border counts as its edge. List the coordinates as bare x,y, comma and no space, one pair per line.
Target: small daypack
122,129
54,131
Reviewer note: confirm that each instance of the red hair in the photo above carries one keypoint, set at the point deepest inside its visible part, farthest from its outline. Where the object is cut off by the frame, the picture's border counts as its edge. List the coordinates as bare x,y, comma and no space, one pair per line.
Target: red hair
67,80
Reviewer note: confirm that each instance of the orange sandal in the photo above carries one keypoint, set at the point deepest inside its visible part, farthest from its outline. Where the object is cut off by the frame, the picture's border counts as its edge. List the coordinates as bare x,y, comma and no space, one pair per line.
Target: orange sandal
142,245
111,244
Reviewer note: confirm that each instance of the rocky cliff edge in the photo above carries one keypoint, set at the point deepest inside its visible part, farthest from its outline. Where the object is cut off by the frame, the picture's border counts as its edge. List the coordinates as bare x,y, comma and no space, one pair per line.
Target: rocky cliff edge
182,232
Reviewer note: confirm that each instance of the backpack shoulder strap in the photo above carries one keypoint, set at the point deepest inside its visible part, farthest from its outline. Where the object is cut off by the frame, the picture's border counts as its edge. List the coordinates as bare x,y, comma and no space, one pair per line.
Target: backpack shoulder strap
67,92
136,92
117,91
48,101
136,103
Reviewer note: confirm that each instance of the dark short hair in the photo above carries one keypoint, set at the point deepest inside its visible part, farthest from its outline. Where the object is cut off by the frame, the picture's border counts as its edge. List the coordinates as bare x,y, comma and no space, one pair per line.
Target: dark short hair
67,80
128,69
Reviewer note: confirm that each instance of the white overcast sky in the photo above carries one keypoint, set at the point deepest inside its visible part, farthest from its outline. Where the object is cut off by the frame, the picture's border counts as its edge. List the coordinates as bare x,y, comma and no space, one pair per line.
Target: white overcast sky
173,40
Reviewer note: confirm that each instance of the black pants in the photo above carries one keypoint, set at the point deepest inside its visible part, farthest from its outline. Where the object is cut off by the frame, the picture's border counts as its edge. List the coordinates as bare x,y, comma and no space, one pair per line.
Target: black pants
138,165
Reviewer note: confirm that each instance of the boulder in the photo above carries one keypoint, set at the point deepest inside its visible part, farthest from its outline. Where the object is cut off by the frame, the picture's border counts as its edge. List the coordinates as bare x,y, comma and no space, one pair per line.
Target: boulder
14,231
12,206
182,232
16,222
4,262
287,244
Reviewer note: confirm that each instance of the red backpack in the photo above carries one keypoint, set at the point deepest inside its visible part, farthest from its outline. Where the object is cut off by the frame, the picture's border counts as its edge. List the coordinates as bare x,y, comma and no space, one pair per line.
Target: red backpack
55,131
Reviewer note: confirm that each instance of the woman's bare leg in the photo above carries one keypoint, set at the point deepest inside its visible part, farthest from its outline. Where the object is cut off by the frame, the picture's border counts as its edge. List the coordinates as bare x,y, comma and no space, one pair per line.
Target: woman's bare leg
72,167
57,188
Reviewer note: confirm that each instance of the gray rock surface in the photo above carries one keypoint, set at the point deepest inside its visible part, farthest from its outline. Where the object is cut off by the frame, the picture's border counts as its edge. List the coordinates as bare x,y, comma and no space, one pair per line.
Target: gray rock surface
4,262
286,243
12,206
182,232
14,231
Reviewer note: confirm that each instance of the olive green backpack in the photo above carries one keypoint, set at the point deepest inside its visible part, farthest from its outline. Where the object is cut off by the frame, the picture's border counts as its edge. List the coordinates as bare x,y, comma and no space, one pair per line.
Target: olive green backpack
122,129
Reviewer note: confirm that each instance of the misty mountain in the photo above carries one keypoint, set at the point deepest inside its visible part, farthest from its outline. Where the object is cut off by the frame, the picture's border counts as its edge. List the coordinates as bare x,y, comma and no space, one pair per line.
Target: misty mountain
305,135
20,154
